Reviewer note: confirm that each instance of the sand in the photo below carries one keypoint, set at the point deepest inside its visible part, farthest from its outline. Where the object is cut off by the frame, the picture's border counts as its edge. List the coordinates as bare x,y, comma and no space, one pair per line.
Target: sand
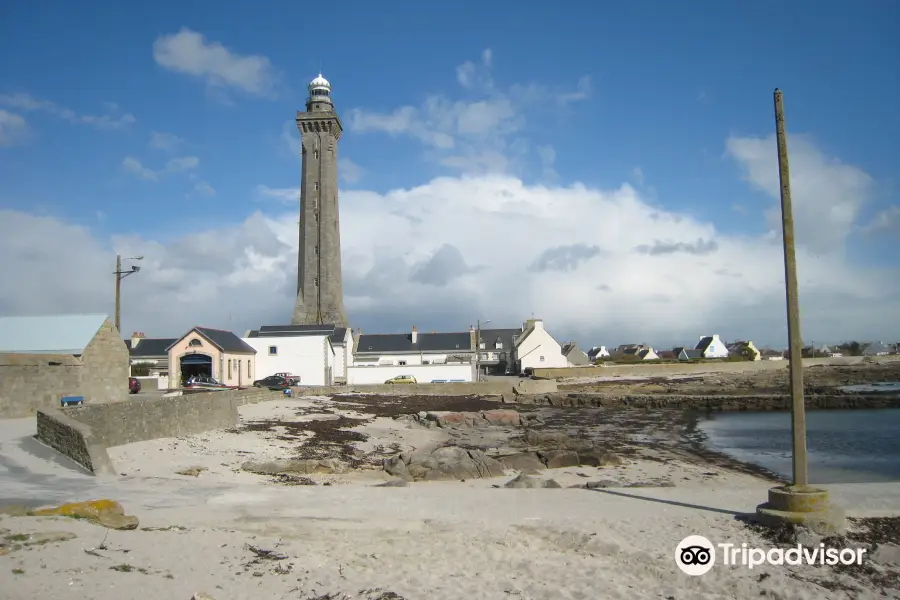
350,539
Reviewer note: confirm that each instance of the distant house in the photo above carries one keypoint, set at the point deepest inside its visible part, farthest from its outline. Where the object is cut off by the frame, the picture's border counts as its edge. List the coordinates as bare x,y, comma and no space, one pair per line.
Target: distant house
682,353
822,351
217,353
744,350
497,350
634,352
306,351
536,348
877,349
151,352
711,346
598,352
769,354
575,356
45,358
667,355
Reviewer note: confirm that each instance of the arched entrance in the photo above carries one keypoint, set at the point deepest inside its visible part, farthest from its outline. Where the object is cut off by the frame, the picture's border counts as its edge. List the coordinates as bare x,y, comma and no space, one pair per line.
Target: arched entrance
195,365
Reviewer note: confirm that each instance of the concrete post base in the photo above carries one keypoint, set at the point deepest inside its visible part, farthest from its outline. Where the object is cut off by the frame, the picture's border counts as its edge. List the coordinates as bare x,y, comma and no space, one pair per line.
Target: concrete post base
802,505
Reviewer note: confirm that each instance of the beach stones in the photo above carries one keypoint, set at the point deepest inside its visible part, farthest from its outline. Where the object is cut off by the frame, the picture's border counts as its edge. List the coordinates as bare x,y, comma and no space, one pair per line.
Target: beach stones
556,459
107,513
301,466
523,481
449,462
596,457
526,462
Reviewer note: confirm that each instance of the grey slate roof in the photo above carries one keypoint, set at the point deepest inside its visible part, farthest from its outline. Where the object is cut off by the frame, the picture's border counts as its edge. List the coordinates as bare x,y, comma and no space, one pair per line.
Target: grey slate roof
704,343
53,334
150,347
402,343
225,341
506,336
335,334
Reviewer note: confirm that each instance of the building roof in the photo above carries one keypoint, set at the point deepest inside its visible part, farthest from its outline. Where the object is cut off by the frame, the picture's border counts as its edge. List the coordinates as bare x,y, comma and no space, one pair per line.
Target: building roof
337,335
150,346
693,354
505,336
225,341
704,343
54,334
402,343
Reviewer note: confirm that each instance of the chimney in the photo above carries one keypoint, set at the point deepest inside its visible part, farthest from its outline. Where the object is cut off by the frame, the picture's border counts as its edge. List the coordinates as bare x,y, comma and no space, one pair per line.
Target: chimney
415,335
136,338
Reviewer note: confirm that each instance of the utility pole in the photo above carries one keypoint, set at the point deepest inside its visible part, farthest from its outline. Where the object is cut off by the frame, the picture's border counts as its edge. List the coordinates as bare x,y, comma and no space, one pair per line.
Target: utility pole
120,275
478,352
798,407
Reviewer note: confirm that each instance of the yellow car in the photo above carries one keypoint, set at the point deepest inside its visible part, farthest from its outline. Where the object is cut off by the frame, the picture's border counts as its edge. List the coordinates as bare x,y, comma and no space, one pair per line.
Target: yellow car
402,379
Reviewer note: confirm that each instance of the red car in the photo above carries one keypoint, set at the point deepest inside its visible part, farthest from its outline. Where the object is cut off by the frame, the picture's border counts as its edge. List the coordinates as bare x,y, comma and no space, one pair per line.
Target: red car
134,385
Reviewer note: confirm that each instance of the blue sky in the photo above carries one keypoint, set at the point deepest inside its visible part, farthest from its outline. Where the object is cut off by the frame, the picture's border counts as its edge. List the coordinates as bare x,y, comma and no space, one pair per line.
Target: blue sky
600,94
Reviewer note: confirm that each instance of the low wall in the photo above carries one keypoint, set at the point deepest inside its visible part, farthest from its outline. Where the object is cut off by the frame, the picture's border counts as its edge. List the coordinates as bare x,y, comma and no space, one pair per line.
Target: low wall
150,383
84,432
378,374
713,403
651,369
494,387
29,382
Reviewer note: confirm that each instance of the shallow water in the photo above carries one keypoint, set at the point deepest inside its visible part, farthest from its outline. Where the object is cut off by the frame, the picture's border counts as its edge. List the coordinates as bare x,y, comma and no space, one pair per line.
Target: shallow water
843,446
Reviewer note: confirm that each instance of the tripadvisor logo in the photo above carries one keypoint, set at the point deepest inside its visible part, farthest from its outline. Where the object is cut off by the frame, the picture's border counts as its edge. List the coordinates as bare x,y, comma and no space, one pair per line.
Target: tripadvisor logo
696,555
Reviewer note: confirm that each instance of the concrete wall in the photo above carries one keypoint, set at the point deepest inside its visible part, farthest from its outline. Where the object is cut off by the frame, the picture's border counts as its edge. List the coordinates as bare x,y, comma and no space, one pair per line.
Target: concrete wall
104,376
84,432
657,369
360,375
151,383
29,382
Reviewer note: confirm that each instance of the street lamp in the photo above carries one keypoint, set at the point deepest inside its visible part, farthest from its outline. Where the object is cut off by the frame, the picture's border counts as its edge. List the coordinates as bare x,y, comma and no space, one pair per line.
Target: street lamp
120,275
478,349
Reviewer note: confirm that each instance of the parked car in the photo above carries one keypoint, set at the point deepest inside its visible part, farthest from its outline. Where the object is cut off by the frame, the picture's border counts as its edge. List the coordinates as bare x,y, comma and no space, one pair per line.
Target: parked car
273,382
134,385
402,379
202,381
293,379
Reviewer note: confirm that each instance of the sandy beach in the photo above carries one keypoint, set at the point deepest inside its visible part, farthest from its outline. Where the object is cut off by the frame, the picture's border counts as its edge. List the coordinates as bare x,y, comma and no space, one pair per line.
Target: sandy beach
295,502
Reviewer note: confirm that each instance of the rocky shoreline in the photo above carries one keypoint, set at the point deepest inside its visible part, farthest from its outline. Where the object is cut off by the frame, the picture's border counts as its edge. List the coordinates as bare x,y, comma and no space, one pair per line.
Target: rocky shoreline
713,403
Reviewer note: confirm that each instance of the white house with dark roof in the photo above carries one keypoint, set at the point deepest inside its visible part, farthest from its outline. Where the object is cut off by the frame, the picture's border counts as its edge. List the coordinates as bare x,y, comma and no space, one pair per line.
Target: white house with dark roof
44,358
497,350
217,353
314,353
711,346
536,348
428,357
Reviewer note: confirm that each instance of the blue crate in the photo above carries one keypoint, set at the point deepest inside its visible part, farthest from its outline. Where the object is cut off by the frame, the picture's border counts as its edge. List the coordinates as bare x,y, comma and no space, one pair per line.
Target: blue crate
71,400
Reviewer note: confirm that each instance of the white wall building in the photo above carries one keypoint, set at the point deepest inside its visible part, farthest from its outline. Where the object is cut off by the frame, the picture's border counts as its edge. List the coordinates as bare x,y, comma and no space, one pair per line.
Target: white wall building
426,356
305,351
711,346
536,348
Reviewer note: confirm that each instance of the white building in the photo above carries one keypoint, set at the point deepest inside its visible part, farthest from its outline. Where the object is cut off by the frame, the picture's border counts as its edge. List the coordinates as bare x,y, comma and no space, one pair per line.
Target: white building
305,351
536,348
711,346
429,357
598,352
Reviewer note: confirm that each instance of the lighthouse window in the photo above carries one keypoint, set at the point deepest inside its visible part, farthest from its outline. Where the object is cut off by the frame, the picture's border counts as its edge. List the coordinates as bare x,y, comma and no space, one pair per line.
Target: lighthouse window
316,154
316,184
316,282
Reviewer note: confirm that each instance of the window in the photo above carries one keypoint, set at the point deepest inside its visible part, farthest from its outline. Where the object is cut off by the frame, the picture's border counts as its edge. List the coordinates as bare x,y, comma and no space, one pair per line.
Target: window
316,186
542,359
195,342
498,345
229,368
316,282
273,350
249,375
402,363
316,154
481,345
317,249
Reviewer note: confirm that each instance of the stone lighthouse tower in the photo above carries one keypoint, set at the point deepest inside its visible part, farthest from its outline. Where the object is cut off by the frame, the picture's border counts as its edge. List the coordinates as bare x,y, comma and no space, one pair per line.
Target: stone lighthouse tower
320,297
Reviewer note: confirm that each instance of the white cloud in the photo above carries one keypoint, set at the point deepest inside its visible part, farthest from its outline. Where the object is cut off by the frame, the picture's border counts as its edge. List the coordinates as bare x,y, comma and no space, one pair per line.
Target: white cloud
165,141
190,53
282,195
483,132
13,129
349,171
884,221
182,163
600,266
204,188
827,195
113,119
134,166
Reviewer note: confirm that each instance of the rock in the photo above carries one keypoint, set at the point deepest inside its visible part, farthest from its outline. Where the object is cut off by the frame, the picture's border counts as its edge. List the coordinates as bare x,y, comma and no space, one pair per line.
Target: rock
523,481
502,417
449,462
596,457
556,459
886,554
603,483
394,483
107,513
526,462
302,466
191,471
546,438
202,596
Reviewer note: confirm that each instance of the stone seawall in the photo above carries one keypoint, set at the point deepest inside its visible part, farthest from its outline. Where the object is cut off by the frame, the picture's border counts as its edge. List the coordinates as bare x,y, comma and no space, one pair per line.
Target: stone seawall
712,403
83,433
494,387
